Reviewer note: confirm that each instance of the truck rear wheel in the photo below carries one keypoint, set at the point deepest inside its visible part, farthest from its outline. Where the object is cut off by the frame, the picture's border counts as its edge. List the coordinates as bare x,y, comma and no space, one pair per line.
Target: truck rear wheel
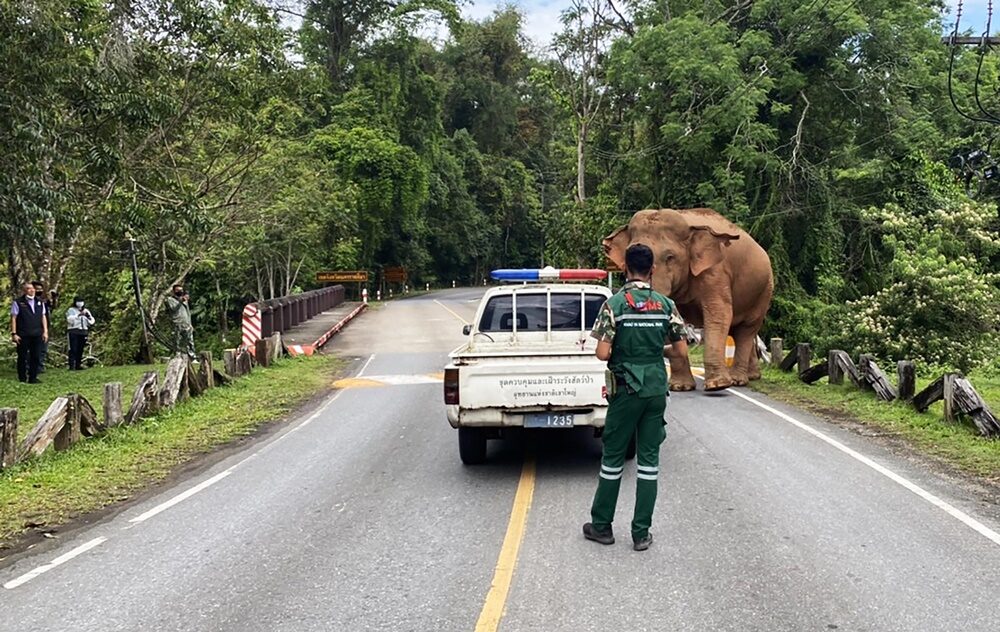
472,445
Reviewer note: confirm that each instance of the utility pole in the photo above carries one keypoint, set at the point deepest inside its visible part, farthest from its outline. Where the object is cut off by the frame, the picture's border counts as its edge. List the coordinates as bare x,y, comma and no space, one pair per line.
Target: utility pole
147,349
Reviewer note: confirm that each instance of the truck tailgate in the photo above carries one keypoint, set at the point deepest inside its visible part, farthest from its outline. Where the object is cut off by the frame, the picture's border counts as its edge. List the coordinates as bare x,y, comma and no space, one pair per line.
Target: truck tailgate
571,381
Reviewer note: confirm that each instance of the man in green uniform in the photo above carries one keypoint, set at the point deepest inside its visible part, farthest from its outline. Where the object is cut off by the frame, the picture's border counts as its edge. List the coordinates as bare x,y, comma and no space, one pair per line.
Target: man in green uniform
180,316
635,329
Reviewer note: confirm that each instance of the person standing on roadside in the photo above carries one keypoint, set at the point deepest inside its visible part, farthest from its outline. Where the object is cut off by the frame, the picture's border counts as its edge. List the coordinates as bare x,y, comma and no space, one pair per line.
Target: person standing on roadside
635,329
79,320
180,315
29,328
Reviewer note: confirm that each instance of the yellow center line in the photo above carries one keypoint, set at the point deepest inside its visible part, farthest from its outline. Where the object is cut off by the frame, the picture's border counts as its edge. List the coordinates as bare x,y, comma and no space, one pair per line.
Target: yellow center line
496,599
452,312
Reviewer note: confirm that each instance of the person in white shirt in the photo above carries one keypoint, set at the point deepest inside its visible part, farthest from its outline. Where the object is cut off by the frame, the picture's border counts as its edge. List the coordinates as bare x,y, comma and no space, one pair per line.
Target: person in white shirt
79,320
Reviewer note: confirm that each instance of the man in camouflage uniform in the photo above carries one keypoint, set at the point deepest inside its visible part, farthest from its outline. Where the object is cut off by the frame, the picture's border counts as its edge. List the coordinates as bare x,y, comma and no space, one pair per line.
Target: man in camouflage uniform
635,330
180,316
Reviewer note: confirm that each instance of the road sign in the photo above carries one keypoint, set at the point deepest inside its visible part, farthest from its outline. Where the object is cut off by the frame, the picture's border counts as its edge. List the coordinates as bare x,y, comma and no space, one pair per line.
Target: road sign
342,276
395,275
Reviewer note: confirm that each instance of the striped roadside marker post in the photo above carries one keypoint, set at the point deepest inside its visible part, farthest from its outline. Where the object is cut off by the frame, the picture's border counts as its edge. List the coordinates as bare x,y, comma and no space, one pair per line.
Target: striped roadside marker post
251,326
301,350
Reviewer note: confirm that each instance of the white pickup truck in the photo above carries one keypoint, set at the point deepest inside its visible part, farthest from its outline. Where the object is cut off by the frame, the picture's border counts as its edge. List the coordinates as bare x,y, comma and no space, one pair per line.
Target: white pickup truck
529,361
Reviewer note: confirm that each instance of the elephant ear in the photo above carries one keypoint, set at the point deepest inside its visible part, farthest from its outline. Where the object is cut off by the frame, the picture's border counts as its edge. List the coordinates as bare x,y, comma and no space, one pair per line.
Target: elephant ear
705,248
616,244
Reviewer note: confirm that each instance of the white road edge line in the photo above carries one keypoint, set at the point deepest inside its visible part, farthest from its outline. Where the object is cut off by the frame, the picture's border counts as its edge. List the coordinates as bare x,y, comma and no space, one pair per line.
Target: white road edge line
313,417
362,371
181,497
951,510
62,559
218,477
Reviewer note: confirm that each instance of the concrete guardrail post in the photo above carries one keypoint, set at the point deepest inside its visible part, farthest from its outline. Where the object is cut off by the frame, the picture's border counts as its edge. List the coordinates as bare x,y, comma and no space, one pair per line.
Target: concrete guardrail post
266,318
279,316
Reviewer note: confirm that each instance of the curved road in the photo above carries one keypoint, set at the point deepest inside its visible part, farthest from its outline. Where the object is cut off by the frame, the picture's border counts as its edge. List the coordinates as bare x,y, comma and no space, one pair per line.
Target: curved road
361,517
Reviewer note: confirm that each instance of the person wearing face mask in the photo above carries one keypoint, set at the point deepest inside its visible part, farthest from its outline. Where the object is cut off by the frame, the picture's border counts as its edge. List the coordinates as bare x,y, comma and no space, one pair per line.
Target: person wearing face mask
180,315
79,320
29,328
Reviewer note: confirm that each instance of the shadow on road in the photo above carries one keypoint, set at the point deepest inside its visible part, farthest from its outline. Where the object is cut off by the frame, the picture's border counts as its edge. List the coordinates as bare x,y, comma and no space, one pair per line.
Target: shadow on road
571,451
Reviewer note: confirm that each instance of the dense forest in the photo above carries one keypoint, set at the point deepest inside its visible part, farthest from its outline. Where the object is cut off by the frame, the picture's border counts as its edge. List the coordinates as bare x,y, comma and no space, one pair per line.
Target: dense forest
242,145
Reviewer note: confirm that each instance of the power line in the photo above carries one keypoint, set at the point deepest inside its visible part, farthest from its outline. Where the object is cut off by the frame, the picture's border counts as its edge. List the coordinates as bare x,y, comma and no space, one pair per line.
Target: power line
953,41
984,47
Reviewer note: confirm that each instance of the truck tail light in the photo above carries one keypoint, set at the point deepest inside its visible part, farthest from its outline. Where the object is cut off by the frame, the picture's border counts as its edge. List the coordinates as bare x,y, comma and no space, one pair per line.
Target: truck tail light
451,386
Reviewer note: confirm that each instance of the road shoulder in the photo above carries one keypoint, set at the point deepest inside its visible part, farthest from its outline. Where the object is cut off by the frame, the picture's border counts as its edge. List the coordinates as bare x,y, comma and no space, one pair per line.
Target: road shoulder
953,451
47,499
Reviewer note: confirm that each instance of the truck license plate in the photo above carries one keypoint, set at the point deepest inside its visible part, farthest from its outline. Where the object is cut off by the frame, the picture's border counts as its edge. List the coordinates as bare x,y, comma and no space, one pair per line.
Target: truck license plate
548,420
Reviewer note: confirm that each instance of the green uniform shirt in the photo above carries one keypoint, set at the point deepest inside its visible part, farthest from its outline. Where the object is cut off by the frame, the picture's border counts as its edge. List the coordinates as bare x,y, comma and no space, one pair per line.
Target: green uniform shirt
639,322
179,312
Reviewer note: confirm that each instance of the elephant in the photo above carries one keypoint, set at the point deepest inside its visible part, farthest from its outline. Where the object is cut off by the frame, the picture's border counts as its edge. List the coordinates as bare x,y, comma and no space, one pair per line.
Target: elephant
719,278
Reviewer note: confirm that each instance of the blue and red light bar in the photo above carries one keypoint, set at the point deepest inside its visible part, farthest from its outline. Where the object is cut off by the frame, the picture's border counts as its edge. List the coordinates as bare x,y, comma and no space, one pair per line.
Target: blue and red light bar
549,274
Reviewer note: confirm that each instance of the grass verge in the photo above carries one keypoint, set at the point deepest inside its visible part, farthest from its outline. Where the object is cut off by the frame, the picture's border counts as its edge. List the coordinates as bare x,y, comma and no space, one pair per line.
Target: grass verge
49,490
32,400
958,445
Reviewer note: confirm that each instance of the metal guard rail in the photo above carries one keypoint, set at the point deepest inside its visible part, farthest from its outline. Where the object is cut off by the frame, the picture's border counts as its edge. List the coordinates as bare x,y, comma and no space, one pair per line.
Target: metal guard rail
278,315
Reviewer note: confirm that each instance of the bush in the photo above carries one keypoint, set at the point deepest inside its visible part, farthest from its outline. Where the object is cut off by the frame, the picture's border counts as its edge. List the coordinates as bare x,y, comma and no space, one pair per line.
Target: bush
938,305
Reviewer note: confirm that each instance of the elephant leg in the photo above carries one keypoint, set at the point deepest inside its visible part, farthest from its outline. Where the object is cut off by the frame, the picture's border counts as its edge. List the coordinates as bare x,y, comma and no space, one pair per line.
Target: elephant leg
718,316
681,378
746,355
753,371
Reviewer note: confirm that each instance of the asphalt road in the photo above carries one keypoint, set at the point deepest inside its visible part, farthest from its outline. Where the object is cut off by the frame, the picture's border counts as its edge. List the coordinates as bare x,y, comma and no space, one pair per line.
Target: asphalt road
361,517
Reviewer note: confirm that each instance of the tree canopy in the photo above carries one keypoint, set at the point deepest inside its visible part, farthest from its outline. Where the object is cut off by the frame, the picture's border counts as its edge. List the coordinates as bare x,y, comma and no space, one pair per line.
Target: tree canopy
244,145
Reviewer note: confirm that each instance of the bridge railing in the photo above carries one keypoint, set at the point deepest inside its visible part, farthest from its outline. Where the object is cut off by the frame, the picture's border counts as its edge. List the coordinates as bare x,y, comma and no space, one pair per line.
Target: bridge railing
278,315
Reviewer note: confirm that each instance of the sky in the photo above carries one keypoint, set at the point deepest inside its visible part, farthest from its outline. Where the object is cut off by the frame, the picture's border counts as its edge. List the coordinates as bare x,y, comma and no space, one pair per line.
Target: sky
542,16
973,15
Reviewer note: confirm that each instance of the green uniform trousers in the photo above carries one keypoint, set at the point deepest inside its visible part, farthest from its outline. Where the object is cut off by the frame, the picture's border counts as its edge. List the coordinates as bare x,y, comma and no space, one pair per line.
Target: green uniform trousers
630,415
184,341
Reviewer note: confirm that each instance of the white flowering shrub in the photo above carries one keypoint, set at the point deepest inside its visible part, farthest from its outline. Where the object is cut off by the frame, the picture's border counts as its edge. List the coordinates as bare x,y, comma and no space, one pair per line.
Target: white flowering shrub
940,304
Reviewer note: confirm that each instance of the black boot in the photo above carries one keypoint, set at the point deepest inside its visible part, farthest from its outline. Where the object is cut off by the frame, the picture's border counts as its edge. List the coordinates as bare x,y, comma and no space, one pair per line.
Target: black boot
642,543
603,537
